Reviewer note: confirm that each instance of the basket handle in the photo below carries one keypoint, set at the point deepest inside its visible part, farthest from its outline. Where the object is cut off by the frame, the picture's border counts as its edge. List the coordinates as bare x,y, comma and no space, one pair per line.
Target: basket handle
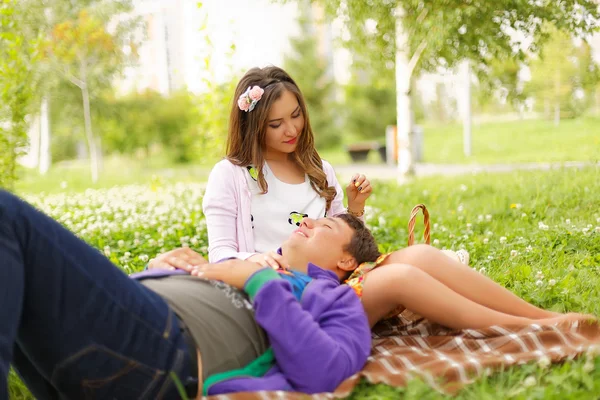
411,224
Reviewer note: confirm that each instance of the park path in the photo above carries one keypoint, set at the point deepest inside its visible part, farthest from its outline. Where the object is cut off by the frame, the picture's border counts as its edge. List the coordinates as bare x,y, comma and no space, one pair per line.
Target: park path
387,172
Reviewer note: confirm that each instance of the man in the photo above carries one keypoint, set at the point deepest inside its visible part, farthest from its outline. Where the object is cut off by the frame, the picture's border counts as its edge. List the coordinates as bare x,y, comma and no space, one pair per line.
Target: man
75,326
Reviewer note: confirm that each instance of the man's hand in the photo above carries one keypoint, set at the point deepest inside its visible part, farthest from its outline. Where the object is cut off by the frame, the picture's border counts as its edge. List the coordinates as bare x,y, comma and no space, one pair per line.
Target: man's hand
271,259
232,272
182,258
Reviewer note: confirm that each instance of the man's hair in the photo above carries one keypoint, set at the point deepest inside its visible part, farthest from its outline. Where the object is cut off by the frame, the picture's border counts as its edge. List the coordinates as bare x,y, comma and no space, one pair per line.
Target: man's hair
362,246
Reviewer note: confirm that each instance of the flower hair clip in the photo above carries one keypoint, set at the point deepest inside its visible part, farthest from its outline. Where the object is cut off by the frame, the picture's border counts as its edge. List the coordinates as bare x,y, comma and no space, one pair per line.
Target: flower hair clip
250,97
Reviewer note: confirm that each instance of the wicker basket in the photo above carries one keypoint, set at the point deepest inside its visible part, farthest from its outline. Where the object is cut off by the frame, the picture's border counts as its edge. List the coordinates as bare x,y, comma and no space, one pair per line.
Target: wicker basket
412,221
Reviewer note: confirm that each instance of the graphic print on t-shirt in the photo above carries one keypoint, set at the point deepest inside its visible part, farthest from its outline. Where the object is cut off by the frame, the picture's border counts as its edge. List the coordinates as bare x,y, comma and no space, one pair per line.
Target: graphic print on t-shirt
253,172
296,218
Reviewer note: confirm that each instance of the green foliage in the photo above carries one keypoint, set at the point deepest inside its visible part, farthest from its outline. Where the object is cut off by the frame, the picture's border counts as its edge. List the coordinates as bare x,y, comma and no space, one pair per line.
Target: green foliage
311,72
18,81
561,71
453,30
370,105
140,121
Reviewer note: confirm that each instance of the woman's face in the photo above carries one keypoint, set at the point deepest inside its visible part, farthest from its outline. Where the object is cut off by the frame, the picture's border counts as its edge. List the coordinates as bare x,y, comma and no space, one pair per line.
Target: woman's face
284,125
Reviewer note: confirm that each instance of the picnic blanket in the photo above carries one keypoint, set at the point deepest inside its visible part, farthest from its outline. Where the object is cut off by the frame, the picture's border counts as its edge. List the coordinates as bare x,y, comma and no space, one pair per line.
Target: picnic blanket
408,346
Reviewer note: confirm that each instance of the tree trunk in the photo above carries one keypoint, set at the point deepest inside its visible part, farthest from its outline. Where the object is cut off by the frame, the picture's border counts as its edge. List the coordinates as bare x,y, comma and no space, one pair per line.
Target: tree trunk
467,110
89,135
45,156
557,101
404,121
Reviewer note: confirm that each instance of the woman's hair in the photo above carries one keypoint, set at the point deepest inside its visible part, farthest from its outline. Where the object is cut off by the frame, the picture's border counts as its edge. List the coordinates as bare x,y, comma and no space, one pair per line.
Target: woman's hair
247,130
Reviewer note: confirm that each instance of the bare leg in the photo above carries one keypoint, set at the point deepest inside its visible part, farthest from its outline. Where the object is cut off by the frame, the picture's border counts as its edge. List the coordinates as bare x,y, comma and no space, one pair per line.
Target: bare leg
467,282
393,285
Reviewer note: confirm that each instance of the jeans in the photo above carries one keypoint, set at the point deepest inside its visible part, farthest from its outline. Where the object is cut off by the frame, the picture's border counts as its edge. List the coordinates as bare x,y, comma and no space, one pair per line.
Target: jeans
74,325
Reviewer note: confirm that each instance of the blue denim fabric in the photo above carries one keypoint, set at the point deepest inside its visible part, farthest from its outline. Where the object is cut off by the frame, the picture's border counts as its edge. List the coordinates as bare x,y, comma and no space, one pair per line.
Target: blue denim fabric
75,326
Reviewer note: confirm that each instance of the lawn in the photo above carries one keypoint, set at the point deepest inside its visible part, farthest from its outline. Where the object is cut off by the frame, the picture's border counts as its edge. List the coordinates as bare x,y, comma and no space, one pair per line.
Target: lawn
537,233
503,142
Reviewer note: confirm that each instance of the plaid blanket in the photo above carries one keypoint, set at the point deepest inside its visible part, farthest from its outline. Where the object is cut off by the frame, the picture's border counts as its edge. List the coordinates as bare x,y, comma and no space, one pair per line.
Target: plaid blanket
407,347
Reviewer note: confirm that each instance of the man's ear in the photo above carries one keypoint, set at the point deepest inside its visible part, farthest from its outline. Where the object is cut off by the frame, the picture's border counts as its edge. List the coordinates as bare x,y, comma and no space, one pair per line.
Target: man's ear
347,263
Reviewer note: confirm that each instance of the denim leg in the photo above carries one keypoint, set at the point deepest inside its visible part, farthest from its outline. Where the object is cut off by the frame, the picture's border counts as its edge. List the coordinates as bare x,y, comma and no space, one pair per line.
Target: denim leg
86,327
33,379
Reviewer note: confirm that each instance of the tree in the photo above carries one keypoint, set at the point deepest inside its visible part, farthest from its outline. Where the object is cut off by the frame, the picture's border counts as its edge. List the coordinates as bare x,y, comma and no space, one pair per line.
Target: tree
563,76
18,82
415,35
88,55
310,71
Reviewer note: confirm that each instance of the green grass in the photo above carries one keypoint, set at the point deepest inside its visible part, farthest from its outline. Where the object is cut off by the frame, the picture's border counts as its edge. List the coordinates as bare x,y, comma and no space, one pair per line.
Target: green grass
550,219
74,176
503,142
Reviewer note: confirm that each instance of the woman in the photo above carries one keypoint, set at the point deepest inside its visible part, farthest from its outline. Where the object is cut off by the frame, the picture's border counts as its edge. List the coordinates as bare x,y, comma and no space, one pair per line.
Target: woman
272,176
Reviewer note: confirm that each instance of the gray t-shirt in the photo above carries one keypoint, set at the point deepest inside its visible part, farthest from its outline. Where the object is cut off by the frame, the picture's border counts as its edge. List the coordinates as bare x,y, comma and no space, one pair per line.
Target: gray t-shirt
219,317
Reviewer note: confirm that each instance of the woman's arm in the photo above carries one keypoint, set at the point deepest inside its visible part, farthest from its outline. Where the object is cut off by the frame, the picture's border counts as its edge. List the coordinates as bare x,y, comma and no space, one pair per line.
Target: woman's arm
220,205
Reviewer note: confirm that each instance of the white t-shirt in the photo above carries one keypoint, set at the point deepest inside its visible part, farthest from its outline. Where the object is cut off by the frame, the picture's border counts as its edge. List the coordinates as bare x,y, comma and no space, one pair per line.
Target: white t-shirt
278,213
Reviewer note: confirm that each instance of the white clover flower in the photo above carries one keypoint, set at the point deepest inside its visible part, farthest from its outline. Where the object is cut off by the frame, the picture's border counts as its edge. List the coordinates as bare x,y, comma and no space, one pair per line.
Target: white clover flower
593,351
552,282
528,249
194,240
489,233
585,230
490,257
597,229
514,253
482,270
436,225
539,275
488,217
463,187
543,226
136,242
503,239
486,240
539,283
121,243
127,254
107,251
529,381
480,218
523,215
543,362
571,268
143,258
469,225
436,242
568,221
460,208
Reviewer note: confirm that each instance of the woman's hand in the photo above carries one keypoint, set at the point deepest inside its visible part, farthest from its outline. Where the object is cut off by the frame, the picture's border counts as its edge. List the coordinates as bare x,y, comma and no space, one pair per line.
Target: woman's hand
358,191
182,258
271,259
232,272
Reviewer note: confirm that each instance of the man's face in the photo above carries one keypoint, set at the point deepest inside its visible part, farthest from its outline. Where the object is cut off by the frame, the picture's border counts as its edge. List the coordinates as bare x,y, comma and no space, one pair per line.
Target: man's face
320,242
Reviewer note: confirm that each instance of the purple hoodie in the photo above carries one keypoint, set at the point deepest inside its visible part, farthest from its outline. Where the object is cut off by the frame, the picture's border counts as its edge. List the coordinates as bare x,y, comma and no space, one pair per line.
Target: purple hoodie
318,342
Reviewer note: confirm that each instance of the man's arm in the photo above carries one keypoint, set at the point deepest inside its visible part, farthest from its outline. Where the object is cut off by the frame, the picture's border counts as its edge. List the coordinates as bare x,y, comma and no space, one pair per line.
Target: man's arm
317,343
